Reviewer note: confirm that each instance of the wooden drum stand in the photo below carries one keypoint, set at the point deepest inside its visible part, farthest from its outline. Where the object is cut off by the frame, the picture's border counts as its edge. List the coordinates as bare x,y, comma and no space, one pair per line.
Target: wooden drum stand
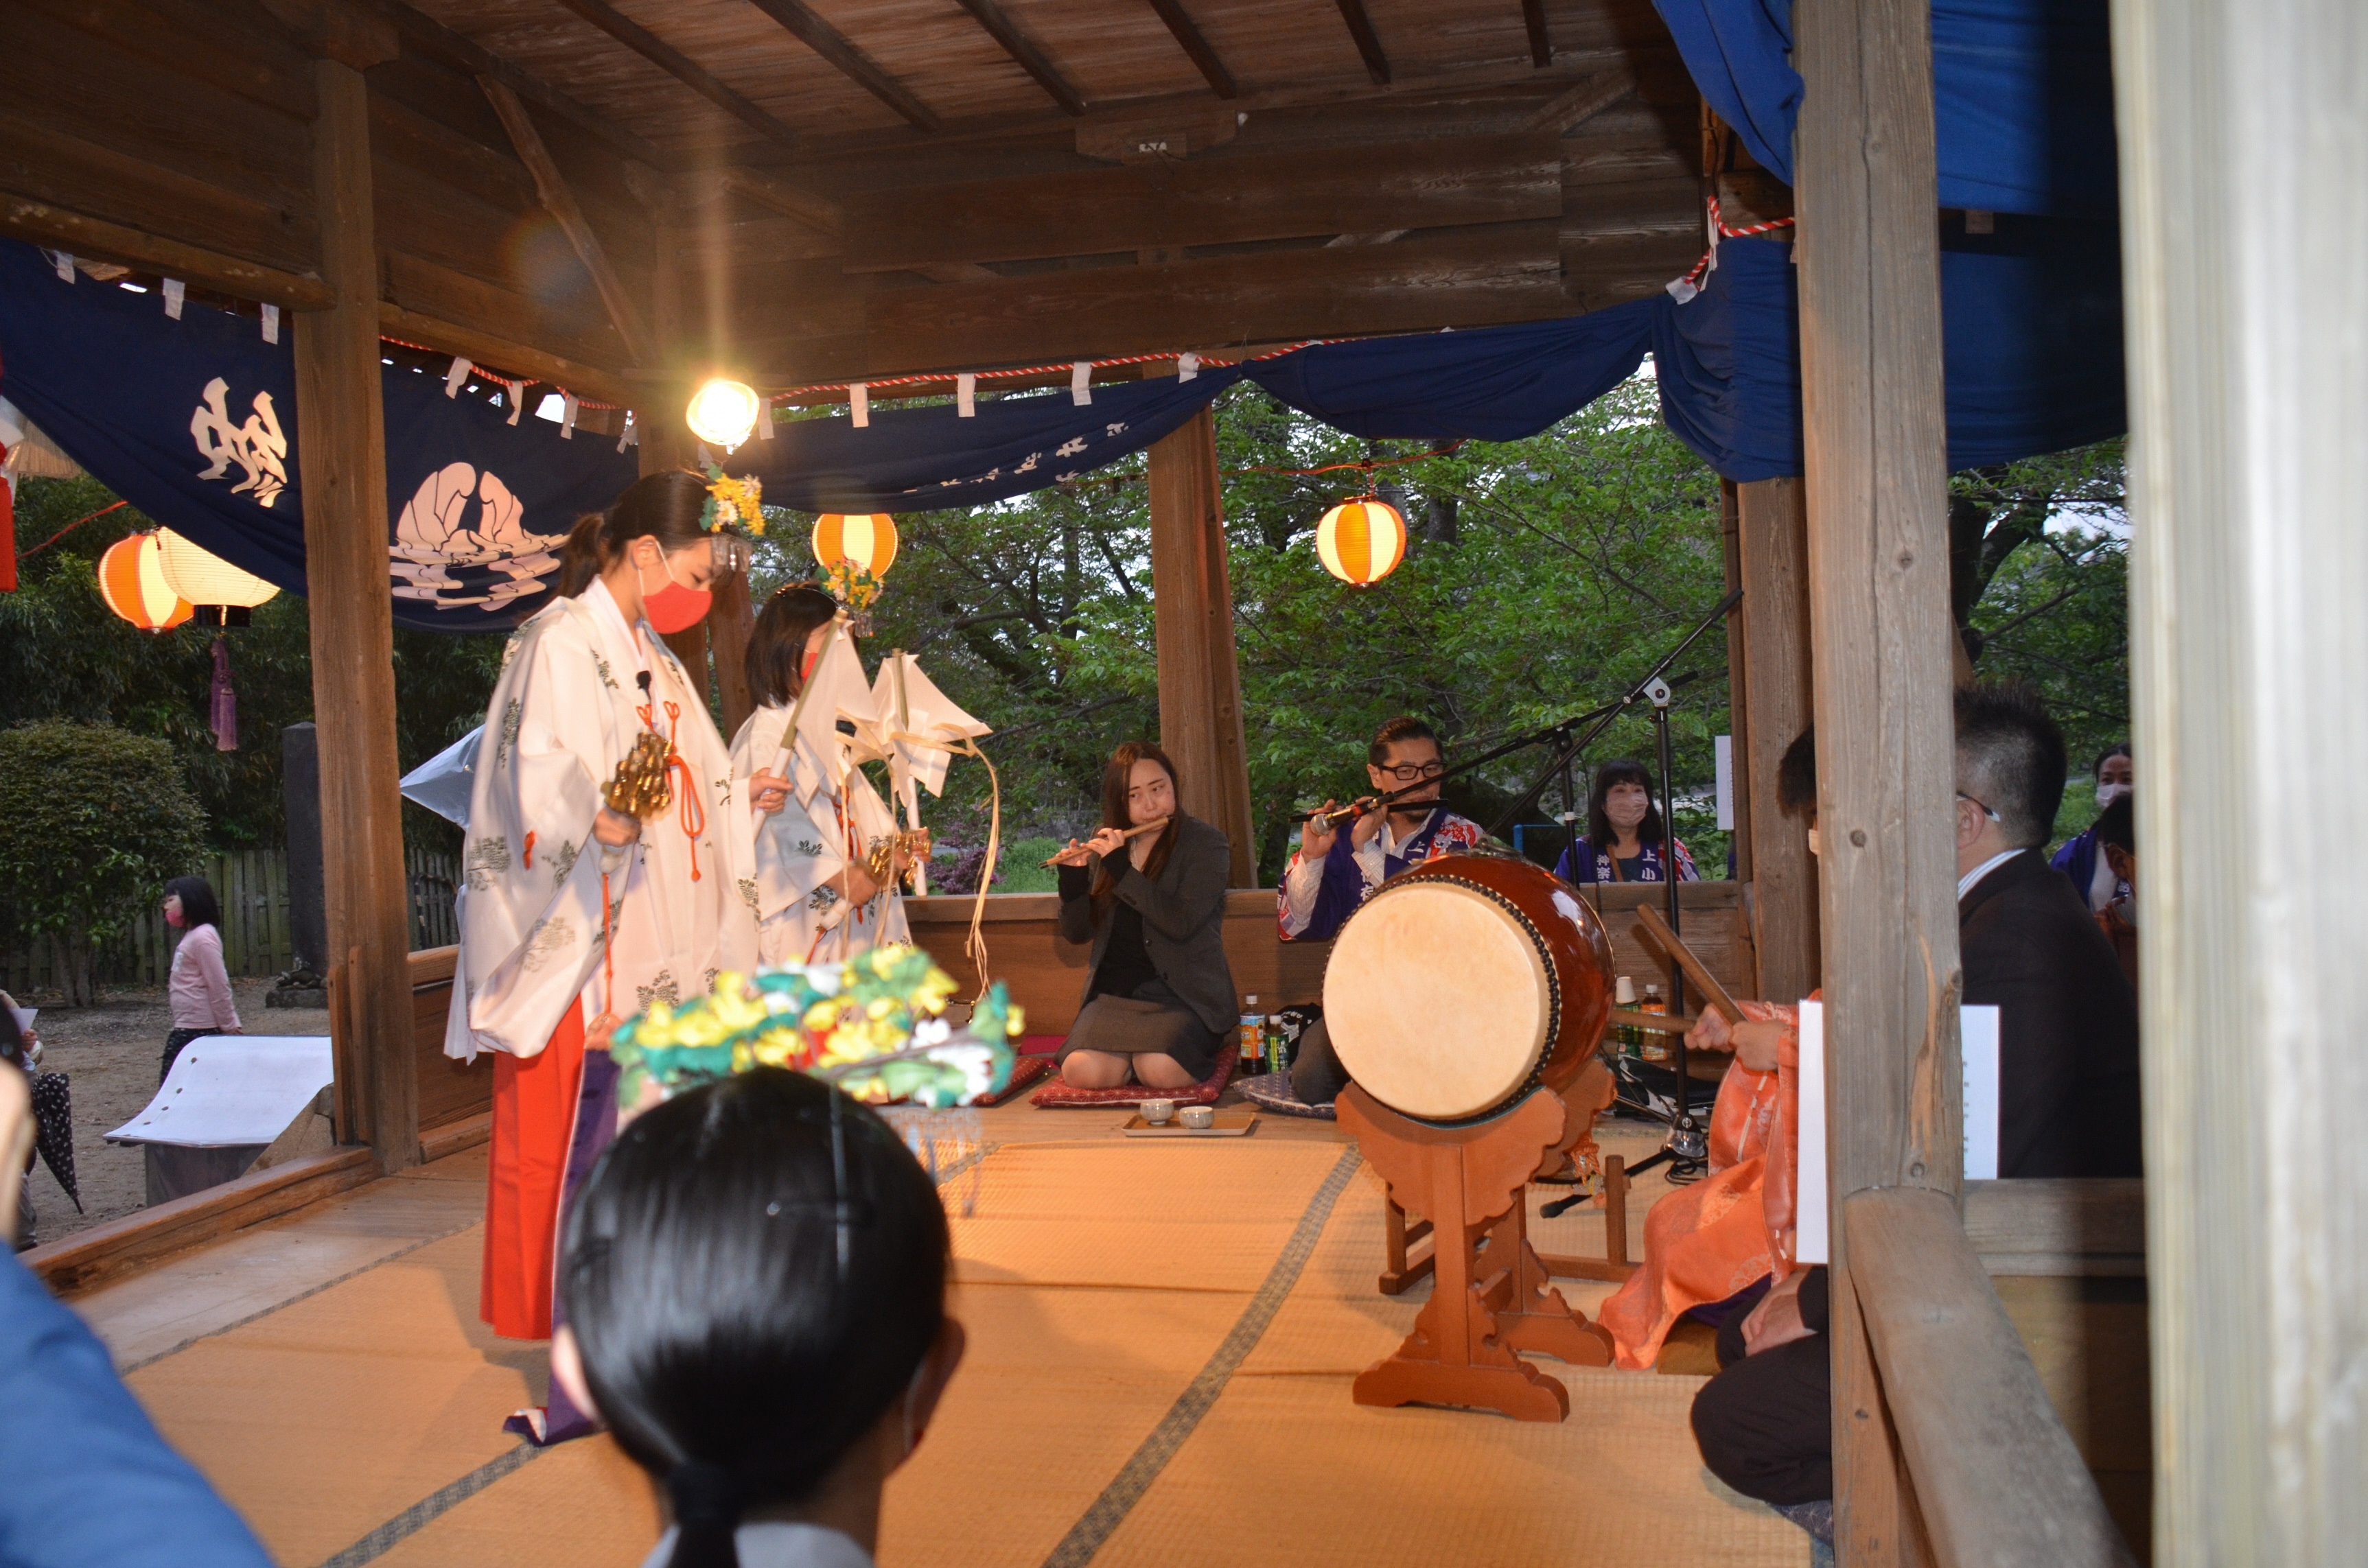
1490,1295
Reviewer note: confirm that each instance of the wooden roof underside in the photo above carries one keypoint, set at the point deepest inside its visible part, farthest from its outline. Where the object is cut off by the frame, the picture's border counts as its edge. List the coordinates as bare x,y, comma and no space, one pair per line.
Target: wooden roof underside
817,191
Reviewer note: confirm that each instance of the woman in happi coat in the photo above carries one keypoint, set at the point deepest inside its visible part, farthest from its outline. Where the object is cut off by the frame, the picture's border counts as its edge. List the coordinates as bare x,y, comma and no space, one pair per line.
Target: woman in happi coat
818,828
577,916
1626,840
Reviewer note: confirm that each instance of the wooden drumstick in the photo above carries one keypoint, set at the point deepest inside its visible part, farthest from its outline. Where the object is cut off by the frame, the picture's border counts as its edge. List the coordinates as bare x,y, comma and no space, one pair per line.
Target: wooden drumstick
1659,1023
1140,827
1649,921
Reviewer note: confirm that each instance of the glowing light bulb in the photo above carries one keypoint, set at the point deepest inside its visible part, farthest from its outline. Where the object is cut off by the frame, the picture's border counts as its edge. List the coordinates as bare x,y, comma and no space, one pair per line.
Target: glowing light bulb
722,413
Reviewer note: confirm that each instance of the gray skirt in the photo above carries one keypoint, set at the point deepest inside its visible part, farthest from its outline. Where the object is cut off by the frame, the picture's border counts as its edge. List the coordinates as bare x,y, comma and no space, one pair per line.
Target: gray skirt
1153,1023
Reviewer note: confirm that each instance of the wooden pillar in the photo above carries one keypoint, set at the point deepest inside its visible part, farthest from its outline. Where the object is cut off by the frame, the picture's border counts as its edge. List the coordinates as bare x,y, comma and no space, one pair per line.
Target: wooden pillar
1772,545
341,461
1192,591
729,625
2248,389
1878,553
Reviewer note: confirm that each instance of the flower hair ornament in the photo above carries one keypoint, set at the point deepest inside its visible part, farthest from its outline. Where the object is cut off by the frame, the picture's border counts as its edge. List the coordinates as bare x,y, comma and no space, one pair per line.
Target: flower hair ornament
733,504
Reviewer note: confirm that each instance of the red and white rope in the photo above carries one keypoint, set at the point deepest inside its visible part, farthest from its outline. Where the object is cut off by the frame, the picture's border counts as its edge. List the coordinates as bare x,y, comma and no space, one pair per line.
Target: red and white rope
1685,287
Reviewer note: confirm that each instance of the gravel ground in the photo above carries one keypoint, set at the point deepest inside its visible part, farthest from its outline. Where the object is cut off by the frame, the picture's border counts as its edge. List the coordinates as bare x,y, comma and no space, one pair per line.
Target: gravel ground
111,1052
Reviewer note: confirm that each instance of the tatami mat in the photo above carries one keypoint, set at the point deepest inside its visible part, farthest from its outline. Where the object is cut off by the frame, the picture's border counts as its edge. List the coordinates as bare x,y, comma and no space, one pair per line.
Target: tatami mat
1108,1287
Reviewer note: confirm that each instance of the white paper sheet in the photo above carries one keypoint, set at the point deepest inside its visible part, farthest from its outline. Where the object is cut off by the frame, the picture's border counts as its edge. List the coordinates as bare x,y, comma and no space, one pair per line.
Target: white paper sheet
227,1089
1977,1030
1809,1240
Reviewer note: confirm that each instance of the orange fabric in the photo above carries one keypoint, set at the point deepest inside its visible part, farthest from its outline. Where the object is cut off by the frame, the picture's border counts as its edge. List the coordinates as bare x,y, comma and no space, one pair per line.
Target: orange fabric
1705,1242
534,1123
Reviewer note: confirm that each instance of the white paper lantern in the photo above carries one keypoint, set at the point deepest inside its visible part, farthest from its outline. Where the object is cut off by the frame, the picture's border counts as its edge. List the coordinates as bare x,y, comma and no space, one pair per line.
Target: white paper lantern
215,586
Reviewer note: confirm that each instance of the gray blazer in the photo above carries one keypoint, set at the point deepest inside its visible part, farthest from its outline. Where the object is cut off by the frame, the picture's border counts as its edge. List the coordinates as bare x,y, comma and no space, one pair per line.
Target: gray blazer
1183,922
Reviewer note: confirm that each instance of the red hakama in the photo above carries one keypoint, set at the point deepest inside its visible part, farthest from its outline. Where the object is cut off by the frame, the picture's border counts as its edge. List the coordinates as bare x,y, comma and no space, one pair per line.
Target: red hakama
534,1127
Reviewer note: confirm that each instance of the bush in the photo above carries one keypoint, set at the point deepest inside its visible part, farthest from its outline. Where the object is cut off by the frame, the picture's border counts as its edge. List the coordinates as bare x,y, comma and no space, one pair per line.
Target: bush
93,821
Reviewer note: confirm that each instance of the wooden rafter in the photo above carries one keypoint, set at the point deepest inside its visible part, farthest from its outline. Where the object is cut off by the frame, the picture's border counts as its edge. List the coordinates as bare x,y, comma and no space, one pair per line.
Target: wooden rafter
810,29
561,203
1196,44
1533,17
1369,43
681,67
1030,57
473,59
1566,110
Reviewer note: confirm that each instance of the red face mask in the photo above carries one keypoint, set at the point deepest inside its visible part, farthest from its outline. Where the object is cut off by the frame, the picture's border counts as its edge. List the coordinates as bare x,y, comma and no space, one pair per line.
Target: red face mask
673,607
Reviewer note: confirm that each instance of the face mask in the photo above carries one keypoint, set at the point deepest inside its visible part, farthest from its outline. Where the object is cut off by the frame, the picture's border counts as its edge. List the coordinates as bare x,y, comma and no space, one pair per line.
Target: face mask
2108,793
1813,841
914,1432
673,607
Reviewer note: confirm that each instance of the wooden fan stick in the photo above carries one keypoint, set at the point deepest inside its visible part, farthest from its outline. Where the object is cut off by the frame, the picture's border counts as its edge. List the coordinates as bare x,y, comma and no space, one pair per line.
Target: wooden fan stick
1139,828
1650,924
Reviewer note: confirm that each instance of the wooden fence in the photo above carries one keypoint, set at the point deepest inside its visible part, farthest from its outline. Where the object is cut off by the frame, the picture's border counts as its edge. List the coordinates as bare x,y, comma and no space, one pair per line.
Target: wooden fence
252,887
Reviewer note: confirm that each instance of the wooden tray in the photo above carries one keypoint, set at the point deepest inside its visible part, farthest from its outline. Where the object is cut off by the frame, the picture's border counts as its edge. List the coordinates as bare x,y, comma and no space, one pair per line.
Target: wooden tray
1229,1124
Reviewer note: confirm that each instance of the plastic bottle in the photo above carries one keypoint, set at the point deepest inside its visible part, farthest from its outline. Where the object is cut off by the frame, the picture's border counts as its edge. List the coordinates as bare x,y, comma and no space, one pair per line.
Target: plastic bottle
1657,1045
1253,1036
1624,996
1278,1048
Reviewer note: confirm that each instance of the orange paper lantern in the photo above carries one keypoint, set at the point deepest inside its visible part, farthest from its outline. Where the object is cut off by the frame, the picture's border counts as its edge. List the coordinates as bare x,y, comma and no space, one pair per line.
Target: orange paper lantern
1362,541
865,541
131,581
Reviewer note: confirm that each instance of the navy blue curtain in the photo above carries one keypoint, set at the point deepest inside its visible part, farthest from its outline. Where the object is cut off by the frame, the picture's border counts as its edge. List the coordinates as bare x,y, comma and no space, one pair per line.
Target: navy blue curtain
2023,95
194,423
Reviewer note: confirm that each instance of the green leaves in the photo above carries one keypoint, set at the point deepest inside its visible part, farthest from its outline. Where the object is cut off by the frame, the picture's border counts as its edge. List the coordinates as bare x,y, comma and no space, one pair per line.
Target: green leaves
93,821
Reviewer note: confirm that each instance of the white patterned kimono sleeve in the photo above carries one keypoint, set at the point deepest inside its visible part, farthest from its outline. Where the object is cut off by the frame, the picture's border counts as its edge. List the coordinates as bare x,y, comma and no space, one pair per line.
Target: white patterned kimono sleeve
532,922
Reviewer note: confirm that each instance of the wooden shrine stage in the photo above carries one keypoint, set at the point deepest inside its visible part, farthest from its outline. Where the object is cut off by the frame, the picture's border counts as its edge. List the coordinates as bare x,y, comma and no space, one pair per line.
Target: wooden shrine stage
1172,1327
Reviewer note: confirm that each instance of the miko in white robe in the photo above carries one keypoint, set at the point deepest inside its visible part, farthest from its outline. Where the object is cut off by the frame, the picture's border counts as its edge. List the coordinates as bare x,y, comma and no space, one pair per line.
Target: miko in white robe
832,819
538,961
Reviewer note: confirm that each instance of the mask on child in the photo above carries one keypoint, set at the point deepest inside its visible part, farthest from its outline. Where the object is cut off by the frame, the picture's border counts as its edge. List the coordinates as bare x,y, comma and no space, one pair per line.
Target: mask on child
2108,793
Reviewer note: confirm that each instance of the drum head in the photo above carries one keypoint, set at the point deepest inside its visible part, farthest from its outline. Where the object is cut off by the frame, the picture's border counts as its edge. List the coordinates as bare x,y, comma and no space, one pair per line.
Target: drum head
1438,1000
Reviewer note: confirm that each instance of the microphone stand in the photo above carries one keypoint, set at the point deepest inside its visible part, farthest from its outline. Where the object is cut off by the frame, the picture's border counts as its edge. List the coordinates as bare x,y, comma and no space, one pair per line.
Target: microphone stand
1687,1150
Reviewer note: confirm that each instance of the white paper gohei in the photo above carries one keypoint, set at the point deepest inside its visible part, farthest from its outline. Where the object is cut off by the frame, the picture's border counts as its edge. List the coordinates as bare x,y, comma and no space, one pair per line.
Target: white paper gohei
1977,1032
231,1089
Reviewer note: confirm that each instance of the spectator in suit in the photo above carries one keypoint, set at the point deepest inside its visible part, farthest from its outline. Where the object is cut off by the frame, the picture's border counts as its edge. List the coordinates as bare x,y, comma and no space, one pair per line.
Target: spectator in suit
2068,1088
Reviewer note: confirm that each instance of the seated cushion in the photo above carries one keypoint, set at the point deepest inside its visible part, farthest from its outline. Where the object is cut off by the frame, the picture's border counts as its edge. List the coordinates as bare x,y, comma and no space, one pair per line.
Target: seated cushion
1025,1071
1057,1094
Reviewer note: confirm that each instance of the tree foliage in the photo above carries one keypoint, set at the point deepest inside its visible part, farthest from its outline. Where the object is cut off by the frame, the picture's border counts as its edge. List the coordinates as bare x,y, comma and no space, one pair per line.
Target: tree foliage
64,654
93,821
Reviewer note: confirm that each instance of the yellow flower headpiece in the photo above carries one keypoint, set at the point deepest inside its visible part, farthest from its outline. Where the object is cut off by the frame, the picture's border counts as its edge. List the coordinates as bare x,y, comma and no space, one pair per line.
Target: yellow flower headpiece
733,504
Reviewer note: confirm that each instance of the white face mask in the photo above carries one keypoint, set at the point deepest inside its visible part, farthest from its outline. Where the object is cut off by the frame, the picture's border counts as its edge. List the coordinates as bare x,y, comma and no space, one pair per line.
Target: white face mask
2108,793
1813,841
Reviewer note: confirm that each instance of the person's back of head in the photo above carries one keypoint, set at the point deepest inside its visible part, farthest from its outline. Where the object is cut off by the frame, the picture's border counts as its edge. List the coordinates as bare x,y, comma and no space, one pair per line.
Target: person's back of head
1796,777
2117,826
2011,759
756,1291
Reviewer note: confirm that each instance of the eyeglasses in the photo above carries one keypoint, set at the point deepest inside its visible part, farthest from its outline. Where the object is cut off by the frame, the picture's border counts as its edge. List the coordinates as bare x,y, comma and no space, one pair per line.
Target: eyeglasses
1407,772
1986,810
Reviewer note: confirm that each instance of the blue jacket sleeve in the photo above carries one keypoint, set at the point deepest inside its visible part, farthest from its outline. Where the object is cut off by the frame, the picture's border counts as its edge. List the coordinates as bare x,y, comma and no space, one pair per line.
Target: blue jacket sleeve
85,1479
1339,894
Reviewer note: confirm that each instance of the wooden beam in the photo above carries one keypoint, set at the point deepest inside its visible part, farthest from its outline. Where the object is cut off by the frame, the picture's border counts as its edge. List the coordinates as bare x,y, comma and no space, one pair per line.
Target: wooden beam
342,462
91,1257
815,211
1568,109
558,200
1533,20
494,352
682,68
1772,545
1998,1480
2247,378
1196,44
2093,1226
1192,599
42,223
1497,272
1336,190
1878,536
472,58
832,45
1030,59
1369,43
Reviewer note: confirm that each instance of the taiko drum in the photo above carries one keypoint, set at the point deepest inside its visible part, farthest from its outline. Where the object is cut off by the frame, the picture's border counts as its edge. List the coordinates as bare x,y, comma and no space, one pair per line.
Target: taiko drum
1461,985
